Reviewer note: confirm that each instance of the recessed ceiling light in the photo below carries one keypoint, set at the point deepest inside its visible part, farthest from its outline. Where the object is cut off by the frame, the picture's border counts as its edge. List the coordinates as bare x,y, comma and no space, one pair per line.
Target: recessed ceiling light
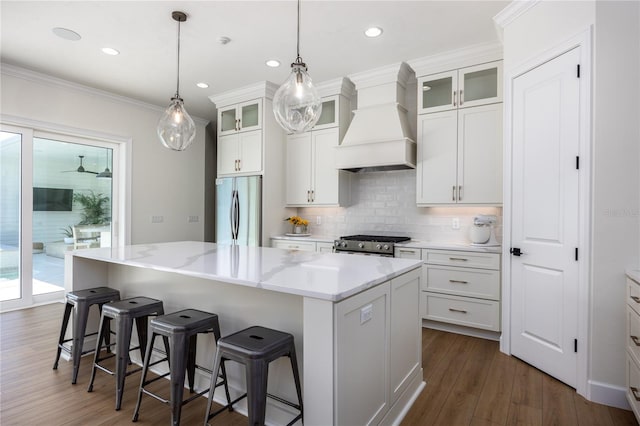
273,63
373,32
110,51
66,34
202,85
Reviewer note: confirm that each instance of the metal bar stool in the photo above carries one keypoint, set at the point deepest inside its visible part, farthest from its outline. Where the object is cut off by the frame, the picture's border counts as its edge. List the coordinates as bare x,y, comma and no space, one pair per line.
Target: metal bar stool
181,329
80,301
256,347
124,312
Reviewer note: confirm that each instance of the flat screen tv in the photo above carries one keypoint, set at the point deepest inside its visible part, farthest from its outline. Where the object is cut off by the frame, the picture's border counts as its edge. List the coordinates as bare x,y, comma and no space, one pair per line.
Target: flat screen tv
52,199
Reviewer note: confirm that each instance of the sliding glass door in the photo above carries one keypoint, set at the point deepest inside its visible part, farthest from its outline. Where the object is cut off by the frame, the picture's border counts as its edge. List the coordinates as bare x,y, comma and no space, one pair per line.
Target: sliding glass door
57,194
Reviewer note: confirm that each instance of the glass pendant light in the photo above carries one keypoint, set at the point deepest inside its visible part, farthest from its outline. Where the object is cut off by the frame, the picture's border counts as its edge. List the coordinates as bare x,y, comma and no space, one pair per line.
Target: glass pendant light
296,104
107,173
176,128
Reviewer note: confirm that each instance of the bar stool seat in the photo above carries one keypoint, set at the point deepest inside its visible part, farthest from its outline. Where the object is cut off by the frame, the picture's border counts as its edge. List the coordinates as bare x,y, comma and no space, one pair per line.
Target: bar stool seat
124,312
180,329
79,302
256,347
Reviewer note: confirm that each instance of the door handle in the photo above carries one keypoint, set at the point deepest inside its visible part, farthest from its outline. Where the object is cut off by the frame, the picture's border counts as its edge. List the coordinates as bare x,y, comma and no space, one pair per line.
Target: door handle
453,193
454,98
516,251
459,282
461,98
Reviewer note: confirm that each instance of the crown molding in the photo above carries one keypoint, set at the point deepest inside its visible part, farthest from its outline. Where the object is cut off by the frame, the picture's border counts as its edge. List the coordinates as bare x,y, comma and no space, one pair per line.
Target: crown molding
459,58
399,72
38,77
513,11
263,89
338,86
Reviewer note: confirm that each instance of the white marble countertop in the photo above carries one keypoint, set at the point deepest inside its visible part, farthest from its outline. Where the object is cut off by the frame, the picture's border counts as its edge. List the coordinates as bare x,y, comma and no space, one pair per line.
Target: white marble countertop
634,274
324,276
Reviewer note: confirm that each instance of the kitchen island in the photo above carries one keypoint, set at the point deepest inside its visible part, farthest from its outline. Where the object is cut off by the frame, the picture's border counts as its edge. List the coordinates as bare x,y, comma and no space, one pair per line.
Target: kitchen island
355,319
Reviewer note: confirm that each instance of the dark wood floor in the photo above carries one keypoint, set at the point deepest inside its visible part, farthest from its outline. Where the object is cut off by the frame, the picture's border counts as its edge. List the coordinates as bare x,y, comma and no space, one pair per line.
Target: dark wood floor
469,382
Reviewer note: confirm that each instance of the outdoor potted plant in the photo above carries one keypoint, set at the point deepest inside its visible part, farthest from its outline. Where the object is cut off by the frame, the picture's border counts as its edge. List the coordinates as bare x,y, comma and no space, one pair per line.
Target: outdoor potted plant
94,208
68,234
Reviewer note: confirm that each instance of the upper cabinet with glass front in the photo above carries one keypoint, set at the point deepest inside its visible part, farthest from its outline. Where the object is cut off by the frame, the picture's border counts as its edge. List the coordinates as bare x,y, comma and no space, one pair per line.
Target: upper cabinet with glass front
242,117
461,88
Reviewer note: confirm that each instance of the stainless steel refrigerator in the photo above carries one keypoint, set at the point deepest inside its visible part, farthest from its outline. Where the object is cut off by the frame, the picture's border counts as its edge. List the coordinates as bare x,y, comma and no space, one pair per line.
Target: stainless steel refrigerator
238,210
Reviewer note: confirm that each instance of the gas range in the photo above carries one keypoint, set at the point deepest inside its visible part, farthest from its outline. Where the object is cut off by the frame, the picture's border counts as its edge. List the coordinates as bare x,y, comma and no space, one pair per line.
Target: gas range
376,245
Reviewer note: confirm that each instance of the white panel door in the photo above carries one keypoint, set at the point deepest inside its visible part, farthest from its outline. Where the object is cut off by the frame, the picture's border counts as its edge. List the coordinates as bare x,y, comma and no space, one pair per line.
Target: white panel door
250,151
545,220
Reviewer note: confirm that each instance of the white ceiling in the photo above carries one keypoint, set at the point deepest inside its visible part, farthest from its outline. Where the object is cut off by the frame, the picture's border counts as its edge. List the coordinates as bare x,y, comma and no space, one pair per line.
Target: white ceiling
332,41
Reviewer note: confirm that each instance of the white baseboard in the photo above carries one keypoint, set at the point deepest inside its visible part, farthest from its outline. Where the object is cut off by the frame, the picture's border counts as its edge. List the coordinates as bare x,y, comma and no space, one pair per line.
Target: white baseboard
608,394
459,329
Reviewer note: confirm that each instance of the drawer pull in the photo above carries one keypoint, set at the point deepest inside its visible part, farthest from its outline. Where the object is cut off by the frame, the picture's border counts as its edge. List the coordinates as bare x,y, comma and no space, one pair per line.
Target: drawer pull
406,251
294,247
457,310
635,340
634,391
636,299
462,259
458,281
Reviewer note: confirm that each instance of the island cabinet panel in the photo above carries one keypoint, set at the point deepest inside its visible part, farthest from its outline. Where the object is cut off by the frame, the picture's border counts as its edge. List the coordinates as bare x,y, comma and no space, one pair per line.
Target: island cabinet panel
362,357
406,337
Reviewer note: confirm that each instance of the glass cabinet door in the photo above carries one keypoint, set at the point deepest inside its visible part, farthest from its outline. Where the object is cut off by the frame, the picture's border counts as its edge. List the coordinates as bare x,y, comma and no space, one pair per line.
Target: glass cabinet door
250,113
227,120
480,84
437,92
329,114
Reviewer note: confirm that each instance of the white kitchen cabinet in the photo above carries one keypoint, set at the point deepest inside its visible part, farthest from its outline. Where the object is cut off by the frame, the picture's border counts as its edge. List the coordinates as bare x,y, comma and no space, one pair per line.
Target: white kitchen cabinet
633,345
240,153
461,88
460,157
241,117
312,177
298,244
407,252
461,288
367,375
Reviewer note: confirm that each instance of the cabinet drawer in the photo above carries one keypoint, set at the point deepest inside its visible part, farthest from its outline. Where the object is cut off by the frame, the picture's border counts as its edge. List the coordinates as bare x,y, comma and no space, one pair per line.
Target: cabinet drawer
465,311
633,295
294,245
633,333
633,385
462,258
407,253
482,283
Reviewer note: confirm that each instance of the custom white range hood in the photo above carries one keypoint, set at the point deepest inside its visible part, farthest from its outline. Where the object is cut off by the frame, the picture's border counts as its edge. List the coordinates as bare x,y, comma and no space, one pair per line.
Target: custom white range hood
381,135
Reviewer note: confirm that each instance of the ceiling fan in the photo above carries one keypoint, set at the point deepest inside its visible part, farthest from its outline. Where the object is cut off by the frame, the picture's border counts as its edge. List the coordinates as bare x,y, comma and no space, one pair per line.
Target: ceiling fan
80,168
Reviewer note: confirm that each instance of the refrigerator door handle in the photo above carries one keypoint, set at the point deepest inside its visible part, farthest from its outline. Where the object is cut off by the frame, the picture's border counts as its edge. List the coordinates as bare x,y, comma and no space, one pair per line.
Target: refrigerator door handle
235,212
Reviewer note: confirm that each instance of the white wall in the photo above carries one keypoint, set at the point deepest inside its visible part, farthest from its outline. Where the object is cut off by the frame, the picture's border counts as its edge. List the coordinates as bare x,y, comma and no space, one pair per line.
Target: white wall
163,182
616,191
615,150
385,203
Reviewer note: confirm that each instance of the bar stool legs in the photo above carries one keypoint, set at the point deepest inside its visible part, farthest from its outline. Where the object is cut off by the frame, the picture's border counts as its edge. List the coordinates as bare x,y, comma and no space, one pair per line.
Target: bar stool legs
255,347
124,312
180,329
78,303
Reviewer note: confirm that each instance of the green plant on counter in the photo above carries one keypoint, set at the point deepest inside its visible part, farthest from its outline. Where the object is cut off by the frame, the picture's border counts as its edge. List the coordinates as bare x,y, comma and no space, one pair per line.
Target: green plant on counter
94,208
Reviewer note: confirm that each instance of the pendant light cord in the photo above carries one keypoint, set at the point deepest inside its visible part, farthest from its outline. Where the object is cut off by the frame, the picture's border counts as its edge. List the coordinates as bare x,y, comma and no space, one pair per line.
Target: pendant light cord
178,66
298,59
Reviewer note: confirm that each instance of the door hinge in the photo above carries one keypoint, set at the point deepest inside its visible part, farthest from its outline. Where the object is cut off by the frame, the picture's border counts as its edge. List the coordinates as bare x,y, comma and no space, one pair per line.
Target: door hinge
576,253
575,345
578,70
577,162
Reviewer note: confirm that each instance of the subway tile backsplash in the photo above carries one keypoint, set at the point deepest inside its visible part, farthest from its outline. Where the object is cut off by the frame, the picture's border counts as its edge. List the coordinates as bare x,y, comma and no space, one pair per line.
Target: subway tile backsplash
384,203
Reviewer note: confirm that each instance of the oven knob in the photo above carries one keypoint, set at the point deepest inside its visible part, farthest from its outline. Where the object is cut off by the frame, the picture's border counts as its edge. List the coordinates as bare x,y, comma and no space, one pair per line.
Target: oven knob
378,246
343,244
385,247
361,245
